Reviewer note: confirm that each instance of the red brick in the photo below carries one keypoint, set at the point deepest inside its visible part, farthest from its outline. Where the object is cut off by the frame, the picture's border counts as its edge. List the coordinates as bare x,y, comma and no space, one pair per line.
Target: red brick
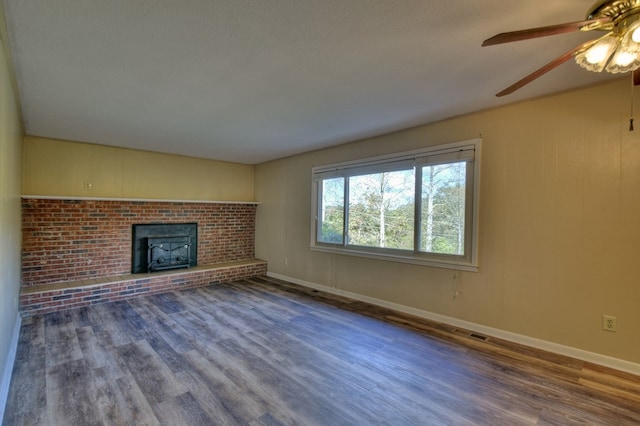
62,228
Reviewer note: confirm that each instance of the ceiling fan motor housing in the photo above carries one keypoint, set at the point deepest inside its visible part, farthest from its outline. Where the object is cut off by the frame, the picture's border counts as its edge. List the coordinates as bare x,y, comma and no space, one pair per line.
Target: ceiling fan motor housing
613,9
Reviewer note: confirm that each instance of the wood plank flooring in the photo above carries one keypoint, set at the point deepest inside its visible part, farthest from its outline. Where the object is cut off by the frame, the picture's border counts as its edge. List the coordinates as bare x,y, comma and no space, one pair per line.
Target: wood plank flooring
265,352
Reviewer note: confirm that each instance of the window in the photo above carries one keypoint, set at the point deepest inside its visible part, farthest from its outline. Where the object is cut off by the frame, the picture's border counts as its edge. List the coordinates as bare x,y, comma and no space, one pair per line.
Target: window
417,207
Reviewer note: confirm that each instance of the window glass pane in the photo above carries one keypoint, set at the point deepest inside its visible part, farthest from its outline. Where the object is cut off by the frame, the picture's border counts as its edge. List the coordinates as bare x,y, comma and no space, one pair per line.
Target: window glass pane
382,210
331,218
443,216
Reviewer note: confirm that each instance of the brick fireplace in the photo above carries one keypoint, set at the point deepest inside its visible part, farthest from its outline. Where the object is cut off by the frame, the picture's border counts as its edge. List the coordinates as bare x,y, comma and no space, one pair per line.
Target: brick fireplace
73,247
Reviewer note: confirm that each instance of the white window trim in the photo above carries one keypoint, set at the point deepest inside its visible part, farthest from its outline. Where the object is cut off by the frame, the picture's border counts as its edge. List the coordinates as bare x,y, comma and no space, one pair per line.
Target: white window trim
418,157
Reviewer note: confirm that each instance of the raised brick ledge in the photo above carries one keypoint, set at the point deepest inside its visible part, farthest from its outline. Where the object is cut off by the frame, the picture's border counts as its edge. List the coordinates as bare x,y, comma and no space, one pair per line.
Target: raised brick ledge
47,298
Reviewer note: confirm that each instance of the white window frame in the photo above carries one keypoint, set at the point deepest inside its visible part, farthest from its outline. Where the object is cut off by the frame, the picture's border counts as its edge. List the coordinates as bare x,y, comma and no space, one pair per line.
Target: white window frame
469,150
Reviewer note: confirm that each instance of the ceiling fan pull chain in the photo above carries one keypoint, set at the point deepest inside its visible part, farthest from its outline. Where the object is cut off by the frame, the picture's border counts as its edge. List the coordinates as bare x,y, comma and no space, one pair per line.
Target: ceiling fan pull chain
633,83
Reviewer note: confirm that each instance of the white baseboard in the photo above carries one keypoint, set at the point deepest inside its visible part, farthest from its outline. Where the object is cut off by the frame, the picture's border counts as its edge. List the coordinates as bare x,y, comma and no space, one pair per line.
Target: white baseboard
595,358
5,380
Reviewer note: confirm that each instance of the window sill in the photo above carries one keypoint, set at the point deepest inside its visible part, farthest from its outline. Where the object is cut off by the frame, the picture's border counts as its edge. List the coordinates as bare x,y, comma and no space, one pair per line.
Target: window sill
435,263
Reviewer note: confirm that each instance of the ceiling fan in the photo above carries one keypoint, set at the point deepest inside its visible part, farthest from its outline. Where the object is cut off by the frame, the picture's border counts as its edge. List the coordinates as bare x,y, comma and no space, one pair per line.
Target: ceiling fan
617,51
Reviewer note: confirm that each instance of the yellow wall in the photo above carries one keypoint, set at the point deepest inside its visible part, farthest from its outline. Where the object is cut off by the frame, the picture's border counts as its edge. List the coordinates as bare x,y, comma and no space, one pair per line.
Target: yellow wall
10,216
559,223
61,168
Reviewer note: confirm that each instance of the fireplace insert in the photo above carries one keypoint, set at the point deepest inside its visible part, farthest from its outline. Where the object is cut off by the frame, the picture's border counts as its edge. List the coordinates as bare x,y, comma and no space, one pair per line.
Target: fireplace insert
168,252
158,247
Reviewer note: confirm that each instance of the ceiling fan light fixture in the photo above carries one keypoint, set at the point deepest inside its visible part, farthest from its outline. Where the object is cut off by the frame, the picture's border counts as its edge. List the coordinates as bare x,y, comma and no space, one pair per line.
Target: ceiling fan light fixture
596,57
624,58
631,33
616,52
623,61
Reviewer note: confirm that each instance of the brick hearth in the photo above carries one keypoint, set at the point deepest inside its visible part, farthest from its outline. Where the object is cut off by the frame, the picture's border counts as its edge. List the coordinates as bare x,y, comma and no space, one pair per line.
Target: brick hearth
55,297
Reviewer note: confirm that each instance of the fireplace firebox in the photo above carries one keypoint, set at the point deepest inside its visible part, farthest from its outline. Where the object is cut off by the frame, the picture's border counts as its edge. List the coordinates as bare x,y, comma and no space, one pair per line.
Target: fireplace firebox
158,247
168,252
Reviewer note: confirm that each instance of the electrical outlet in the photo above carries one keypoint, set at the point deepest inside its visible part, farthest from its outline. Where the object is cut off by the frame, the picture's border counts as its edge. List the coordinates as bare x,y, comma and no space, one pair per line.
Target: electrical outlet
609,323
88,186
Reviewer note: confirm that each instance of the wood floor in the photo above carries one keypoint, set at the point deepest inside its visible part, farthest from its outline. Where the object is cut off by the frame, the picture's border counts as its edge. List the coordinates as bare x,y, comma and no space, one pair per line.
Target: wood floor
264,352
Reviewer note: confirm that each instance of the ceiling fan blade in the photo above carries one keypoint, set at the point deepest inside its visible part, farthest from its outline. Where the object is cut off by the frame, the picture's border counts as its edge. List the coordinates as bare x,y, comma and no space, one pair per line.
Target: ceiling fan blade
545,69
636,77
546,31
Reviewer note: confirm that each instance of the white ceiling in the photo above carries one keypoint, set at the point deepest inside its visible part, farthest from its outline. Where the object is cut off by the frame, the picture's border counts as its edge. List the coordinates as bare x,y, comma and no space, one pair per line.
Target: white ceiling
254,80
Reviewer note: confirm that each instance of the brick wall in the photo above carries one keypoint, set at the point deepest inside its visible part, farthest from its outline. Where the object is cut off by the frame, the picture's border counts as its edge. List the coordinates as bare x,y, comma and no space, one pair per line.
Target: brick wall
72,240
